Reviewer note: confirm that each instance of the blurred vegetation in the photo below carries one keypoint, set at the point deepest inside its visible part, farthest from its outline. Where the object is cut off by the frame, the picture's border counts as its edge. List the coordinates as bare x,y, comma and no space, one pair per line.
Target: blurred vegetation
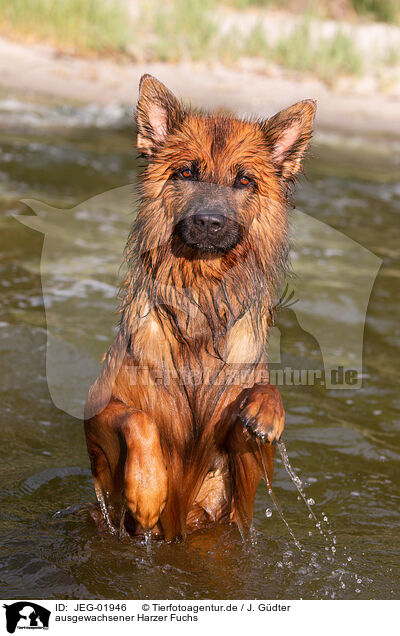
383,10
171,31
78,26
179,30
326,57
176,30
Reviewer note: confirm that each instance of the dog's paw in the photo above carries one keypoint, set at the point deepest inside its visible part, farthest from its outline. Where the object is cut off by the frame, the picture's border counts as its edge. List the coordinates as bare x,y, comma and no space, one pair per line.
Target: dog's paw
261,413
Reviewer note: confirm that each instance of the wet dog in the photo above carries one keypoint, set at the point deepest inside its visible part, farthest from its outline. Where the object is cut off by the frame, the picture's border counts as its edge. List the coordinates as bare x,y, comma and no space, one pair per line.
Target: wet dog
182,417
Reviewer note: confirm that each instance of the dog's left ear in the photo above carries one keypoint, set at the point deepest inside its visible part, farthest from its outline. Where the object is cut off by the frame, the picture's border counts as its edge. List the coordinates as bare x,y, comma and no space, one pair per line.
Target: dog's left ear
288,134
158,112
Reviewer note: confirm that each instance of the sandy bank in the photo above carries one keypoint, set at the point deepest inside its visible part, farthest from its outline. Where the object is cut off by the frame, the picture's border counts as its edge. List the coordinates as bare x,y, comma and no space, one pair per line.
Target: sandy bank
41,70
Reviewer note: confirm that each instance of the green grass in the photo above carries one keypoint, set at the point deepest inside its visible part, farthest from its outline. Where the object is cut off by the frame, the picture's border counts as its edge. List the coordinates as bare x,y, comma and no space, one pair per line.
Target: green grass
229,47
256,43
383,10
327,58
172,31
178,30
74,25
245,4
392,56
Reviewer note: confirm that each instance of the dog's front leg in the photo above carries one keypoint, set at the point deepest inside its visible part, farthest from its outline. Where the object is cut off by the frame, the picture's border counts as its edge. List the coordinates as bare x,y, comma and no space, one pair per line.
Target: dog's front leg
261,412
127,463
145,474
256,421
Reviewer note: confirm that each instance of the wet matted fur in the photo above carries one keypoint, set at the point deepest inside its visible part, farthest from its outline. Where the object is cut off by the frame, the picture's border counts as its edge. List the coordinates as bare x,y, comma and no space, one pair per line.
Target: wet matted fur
177,419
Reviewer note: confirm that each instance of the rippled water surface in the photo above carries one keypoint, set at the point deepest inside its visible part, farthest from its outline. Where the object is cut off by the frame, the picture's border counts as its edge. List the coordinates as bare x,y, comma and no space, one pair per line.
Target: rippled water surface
343,444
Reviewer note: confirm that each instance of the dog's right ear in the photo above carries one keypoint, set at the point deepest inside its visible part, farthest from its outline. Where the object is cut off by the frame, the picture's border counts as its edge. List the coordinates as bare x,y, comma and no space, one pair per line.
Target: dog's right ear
158,112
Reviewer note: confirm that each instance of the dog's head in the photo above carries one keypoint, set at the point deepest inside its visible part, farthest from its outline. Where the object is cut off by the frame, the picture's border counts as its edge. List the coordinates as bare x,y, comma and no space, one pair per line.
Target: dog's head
213,179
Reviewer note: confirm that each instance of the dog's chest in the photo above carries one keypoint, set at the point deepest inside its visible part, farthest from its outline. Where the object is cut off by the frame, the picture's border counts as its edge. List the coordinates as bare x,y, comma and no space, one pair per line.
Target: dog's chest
187,371
192,347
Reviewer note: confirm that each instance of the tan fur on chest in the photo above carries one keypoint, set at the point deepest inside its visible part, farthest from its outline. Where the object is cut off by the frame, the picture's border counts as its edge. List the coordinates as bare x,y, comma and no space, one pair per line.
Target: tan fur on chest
212,496
244,346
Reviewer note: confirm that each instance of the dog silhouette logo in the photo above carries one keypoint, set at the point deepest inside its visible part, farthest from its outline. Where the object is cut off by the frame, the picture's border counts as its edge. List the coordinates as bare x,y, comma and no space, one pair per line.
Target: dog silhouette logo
26,615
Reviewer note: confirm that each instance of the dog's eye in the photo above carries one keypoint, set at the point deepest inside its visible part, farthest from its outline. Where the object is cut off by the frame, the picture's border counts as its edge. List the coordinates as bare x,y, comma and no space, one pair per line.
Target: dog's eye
242,181
186,173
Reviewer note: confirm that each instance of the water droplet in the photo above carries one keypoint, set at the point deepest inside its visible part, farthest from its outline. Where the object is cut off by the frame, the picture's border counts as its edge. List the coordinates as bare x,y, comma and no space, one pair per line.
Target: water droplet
359,580
310,501
268,512
147,541
309,533
310,516
271,493
357,591
326,519
333,549
349,558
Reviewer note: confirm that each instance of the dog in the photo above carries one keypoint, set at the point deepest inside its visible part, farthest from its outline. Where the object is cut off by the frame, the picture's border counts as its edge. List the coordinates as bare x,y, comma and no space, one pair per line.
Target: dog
182,422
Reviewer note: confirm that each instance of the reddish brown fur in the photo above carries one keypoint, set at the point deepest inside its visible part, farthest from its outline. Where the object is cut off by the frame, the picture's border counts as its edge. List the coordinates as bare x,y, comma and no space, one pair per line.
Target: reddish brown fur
174,454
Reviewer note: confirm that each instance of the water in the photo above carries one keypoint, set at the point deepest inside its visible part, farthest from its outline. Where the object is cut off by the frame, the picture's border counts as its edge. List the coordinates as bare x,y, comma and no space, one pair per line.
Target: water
104,508
297,482
343,445
276,504
147,542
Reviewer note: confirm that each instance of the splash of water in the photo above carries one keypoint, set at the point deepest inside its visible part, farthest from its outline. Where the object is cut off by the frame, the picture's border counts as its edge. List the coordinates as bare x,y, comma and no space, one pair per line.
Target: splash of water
103,503
309,502
331,549
296,480
277,506
122,532
253,535
147,542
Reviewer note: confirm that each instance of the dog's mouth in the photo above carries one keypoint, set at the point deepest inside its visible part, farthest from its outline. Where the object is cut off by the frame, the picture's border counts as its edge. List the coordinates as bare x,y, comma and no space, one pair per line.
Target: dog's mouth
209,231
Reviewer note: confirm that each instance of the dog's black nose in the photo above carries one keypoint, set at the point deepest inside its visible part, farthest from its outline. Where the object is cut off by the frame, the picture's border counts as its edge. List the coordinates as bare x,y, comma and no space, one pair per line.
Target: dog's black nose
208,221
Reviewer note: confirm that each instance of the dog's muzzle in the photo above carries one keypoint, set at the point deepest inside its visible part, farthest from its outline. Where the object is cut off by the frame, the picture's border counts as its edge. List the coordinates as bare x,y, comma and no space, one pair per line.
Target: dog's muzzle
209,230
